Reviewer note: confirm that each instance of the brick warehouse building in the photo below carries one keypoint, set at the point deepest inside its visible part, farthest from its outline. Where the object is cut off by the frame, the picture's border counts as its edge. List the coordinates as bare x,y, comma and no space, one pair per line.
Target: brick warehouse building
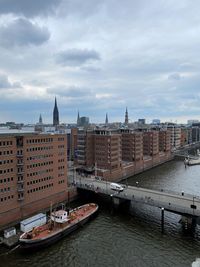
107,149
33,174
122,153
132,145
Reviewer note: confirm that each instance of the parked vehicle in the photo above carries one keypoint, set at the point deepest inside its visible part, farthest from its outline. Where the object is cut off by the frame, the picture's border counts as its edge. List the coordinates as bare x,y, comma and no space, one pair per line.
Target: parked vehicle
116,187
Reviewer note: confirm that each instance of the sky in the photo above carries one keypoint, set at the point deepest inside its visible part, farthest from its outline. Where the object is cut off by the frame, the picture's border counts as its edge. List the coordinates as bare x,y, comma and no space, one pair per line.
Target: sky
99,57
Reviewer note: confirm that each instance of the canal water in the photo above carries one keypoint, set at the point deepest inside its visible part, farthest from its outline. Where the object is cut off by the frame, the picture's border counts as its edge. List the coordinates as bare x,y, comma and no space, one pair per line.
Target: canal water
124,239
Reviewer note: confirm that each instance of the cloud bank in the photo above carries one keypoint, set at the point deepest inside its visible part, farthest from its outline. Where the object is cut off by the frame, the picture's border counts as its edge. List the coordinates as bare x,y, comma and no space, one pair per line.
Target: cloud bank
98,57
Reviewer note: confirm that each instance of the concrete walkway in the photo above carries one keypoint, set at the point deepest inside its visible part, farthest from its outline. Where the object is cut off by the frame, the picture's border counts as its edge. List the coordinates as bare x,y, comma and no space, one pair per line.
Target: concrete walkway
177,202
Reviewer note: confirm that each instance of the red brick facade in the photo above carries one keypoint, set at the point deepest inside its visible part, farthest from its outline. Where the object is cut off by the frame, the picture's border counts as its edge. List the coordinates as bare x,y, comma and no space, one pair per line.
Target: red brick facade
33,173
124,153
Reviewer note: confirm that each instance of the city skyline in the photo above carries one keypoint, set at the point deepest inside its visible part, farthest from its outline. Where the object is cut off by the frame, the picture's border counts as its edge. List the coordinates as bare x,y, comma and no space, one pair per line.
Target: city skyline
99,57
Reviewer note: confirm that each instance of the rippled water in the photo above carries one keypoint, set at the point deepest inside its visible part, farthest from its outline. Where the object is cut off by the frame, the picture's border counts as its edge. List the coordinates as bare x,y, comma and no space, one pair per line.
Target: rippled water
123,239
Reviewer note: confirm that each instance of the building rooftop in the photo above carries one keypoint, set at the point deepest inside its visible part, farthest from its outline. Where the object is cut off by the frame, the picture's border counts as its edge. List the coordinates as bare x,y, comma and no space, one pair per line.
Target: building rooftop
20,132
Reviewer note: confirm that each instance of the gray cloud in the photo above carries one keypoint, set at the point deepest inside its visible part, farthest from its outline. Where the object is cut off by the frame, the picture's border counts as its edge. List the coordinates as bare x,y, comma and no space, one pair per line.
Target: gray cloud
174,76
6,84
145,57
69,92
21,32
28,8
90,69
76,57
80,8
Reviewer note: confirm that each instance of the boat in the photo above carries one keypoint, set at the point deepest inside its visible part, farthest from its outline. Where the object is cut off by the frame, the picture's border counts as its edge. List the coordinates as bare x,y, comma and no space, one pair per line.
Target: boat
192,161
61,223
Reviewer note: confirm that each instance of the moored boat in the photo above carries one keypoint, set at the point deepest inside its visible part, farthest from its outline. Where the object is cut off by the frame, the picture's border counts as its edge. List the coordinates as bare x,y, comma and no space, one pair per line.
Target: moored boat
61,223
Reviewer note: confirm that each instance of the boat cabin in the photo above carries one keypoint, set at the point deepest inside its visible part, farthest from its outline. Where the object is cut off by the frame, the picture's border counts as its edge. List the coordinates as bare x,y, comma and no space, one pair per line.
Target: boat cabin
60,216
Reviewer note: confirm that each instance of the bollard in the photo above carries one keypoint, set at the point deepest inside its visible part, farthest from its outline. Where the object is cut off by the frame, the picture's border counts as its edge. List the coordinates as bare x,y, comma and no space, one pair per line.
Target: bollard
162,220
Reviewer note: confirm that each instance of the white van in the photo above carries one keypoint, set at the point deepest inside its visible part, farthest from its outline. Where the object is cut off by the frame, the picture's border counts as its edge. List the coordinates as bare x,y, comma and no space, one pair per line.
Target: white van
116,187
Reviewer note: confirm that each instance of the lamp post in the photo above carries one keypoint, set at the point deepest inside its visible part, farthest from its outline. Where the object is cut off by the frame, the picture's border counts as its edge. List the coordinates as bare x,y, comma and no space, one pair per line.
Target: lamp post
162,219
193,204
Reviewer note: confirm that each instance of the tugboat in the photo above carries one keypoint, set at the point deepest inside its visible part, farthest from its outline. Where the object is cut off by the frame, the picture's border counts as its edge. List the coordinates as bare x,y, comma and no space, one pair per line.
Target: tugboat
61,223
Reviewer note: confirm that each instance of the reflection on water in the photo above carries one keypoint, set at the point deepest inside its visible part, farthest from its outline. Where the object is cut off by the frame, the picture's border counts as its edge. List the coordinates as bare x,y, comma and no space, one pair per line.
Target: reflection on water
127,240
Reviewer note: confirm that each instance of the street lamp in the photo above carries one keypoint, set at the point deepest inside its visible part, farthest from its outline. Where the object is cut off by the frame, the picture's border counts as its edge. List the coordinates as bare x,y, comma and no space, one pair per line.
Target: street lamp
137,183
193,206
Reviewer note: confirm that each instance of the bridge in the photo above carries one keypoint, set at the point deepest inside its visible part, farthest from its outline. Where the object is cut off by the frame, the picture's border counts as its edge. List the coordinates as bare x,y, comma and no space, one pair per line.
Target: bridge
183,151
180,203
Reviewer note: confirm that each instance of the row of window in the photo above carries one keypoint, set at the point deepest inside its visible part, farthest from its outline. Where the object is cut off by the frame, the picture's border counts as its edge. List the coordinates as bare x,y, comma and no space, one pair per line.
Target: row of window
6,161
6,152
2,199
61,146
39,172
61,138
40,157
6,143
39,188
61,160
6,180
6,171
42,140
61,182
40,180
61,167
61,174
39,164
20,169
20,152
6,189
39,148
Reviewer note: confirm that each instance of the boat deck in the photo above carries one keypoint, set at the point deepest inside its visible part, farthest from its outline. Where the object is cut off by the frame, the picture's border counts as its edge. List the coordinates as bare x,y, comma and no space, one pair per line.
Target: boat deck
49,229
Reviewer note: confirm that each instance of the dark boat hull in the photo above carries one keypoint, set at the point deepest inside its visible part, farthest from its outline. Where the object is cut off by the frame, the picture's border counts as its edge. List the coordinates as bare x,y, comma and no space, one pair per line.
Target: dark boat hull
31,245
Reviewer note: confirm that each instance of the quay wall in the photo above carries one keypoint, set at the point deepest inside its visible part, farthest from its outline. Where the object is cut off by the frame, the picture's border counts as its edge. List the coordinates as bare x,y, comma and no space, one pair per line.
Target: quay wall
132,168
14,216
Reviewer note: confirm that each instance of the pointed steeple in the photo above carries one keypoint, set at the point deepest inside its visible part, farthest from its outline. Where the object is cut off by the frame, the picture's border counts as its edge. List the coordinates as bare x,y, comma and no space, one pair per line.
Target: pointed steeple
126,116
78,118
55,114
40,119
106,121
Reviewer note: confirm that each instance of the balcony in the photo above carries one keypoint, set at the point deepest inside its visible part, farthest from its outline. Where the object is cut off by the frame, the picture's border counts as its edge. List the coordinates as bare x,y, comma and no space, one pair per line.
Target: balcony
20,181
20,198
20,189
19,156
20,172
19,163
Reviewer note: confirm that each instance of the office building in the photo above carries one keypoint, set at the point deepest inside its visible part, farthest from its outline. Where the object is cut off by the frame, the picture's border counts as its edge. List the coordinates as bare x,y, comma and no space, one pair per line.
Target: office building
33,173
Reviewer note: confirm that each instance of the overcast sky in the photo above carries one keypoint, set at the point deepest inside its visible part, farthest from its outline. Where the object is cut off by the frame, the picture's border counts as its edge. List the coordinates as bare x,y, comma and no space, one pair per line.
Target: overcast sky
99,56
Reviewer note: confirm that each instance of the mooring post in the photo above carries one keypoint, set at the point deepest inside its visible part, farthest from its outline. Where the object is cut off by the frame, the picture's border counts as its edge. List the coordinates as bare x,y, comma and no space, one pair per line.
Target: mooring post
112,204
162,219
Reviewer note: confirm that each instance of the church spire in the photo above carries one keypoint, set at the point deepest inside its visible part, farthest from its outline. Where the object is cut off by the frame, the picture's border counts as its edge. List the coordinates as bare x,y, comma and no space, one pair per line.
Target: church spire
78,118
106,121
40,119
126,116
55,114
